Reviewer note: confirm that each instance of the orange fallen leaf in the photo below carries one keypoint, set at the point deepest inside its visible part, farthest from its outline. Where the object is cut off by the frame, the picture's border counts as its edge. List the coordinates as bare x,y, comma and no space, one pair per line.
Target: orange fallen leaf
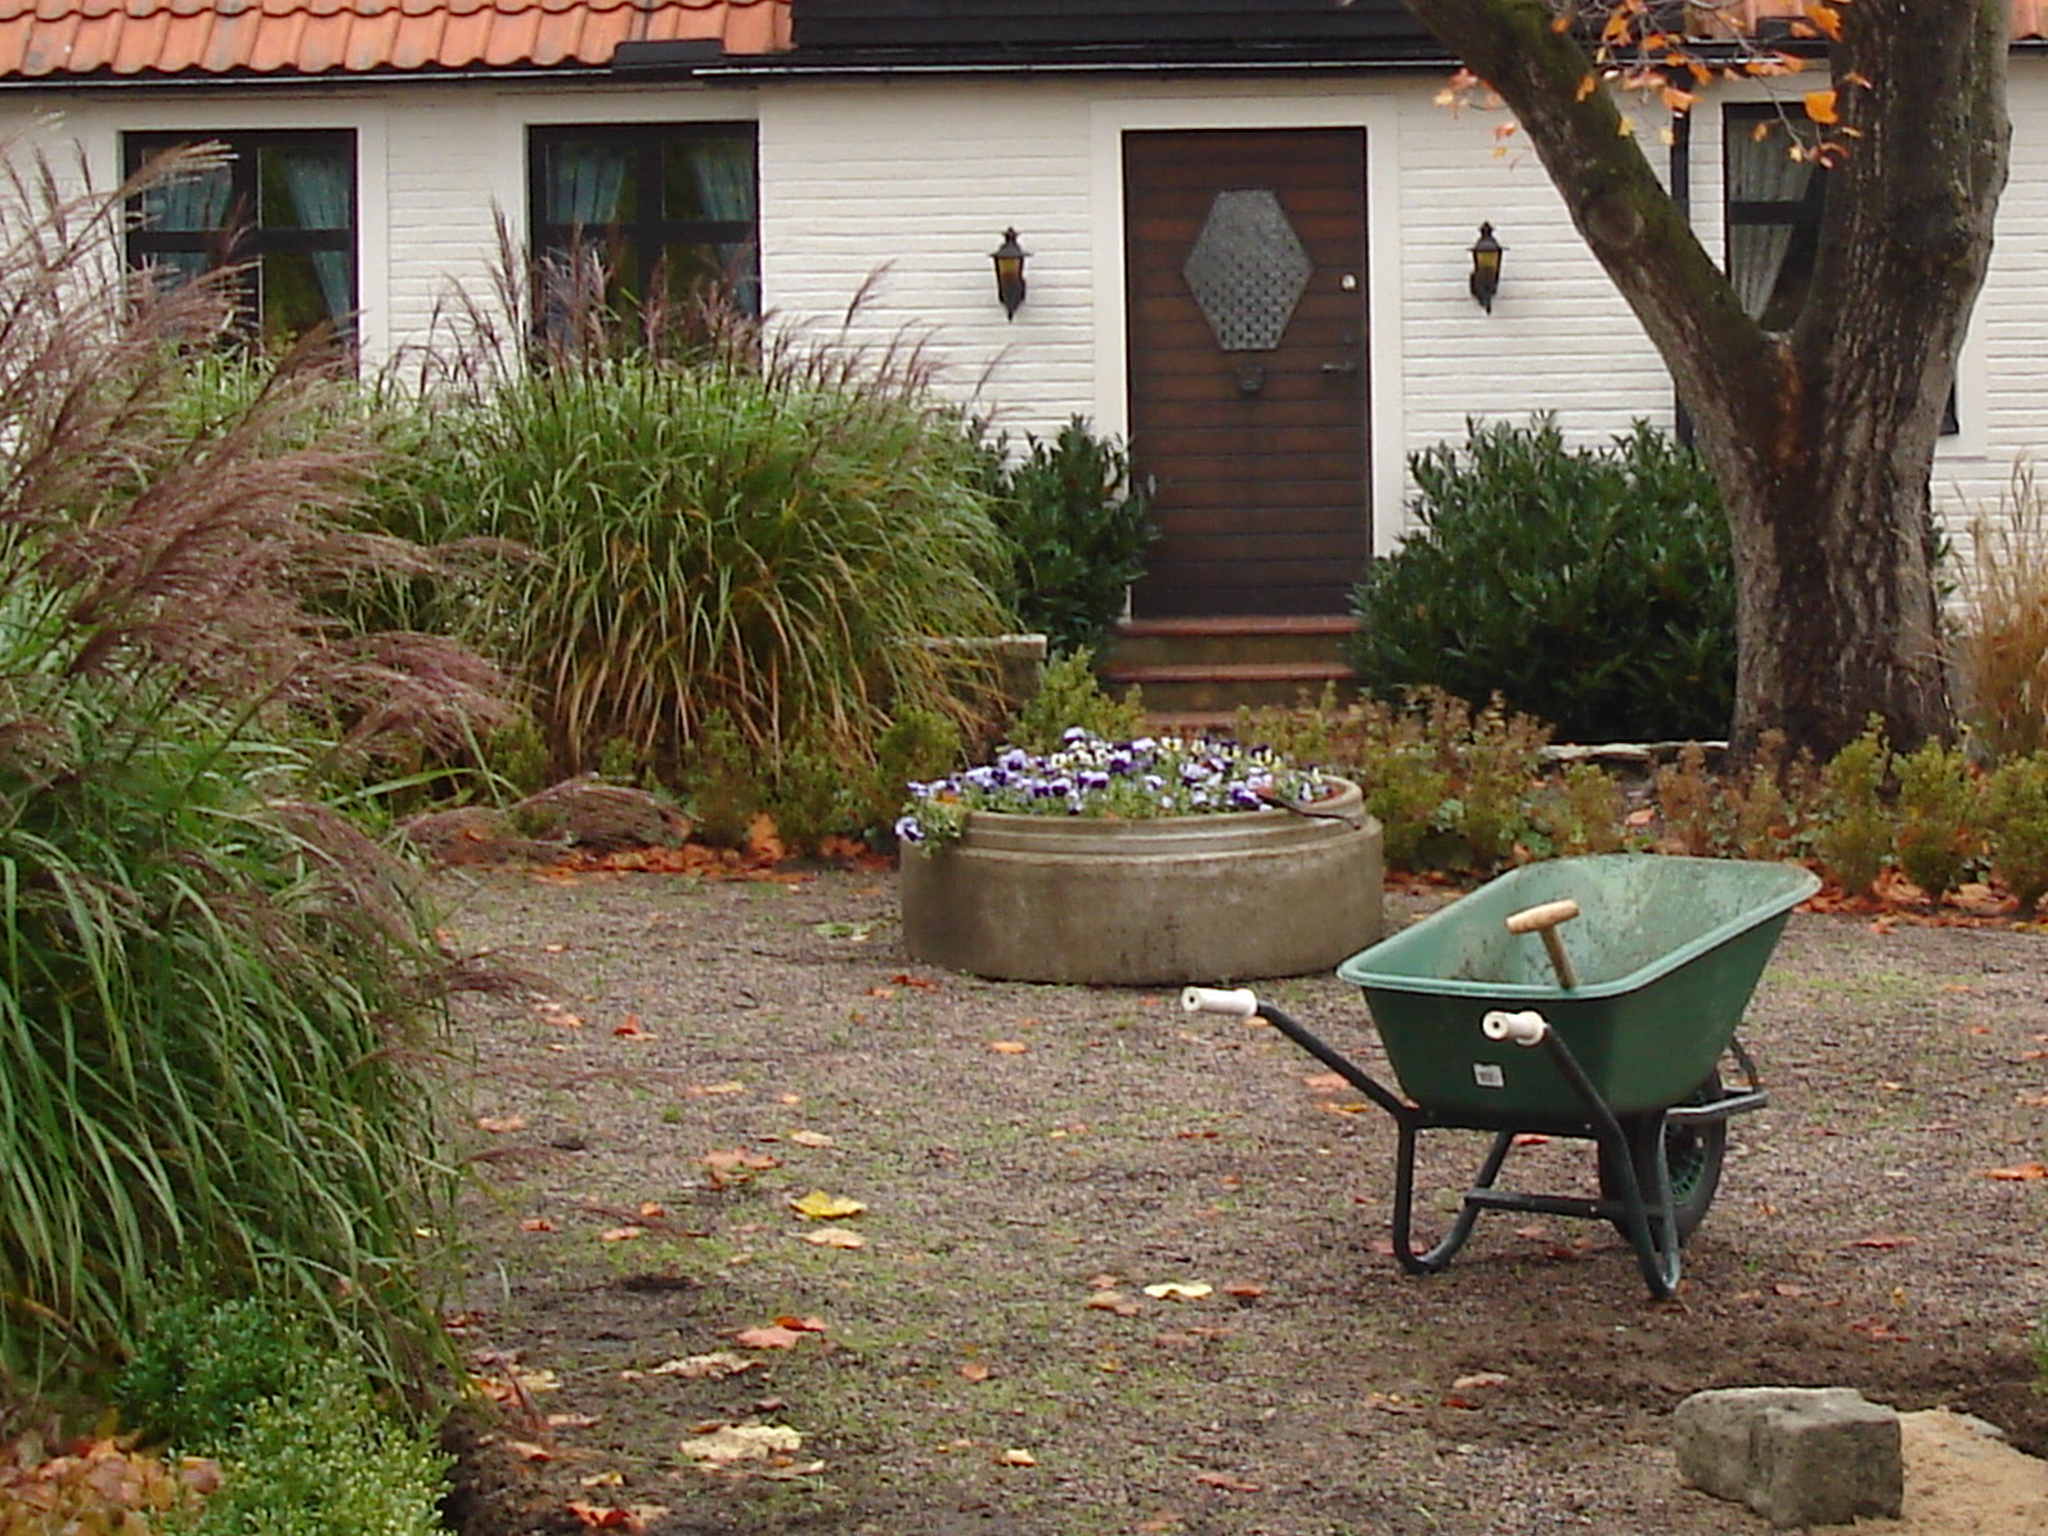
1245,1290
905,979
556,1014
652,1210
1016,1458
1531,1139
630,1029
527,1450
498,1125
1325,1082
1008,1047
774,1336
802,1324
601,1518
1226,1482
2021,1171
622,1234
976,1370
536,1224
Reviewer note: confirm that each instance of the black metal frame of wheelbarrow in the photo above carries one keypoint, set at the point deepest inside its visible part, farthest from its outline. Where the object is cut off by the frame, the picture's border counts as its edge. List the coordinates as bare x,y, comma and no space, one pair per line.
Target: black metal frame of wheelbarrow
1649,1219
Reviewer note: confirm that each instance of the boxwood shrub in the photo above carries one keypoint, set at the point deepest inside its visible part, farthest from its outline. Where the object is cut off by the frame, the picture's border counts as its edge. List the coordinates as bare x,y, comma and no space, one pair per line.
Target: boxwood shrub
1590,587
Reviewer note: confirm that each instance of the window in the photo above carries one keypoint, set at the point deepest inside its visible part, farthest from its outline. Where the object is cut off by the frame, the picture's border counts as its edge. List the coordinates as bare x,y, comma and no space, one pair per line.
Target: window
1774,213
279,206
667,205
1774,208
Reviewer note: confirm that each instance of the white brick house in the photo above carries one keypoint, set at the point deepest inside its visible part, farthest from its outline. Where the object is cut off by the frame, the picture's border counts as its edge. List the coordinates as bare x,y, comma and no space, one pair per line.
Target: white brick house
894,145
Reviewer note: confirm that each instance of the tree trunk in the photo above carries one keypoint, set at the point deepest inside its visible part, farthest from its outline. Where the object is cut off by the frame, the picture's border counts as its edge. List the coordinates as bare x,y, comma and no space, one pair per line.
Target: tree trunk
1821,438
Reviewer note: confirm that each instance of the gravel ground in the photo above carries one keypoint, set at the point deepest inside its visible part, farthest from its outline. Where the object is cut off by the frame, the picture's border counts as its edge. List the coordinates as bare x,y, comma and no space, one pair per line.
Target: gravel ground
695,1054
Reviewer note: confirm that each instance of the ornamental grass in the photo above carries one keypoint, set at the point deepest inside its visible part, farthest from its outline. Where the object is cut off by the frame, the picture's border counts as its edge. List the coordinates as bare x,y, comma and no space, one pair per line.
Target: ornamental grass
723,520
211,989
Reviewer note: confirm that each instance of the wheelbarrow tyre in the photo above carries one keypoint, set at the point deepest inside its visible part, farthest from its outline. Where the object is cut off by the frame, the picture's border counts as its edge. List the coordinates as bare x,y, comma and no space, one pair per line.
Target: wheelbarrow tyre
1693,1153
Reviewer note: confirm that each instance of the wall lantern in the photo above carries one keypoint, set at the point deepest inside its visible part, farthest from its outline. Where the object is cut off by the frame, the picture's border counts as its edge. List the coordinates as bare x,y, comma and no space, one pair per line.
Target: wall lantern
1486,253
1009,260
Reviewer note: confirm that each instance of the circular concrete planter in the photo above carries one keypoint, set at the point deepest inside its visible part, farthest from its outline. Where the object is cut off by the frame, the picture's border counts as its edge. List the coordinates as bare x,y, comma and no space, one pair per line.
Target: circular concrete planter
1146,903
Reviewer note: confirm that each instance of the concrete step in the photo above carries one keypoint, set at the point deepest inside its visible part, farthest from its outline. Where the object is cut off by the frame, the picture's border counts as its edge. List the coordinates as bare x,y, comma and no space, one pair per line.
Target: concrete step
1207,668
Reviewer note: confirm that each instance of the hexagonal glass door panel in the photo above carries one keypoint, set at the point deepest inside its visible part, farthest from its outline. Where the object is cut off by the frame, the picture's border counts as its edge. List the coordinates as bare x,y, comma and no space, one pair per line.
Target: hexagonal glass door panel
1248,269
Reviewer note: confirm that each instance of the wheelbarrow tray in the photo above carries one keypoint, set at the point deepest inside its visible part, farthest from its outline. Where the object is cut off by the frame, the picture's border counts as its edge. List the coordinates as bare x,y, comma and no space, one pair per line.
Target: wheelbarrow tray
1667,951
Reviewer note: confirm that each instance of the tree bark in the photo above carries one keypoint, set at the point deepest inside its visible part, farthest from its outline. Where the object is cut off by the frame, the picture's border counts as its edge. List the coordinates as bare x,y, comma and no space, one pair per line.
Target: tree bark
1821,438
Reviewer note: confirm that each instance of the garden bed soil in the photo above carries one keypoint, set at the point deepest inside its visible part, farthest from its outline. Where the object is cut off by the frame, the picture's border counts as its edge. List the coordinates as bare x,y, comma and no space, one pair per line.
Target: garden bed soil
695,1054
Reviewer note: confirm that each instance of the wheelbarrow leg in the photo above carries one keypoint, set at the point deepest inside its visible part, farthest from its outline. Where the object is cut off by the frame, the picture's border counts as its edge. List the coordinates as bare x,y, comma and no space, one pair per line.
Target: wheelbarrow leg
1438,1257
1649,1218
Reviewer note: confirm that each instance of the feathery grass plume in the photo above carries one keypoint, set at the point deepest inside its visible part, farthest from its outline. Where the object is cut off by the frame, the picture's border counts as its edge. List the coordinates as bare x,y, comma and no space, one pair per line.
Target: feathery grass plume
2002,651
724,516
209,986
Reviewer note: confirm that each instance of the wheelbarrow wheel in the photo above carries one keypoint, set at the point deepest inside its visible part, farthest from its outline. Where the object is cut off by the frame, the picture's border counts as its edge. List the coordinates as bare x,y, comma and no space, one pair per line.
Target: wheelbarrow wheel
1692,1153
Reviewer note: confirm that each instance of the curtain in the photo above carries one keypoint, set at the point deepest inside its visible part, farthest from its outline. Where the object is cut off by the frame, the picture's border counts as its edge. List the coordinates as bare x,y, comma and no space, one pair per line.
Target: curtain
190,202
584,185
1761,172
724,172
319,185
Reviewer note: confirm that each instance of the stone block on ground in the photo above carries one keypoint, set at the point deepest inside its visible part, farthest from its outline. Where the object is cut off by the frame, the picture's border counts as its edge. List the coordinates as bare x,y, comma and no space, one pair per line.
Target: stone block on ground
1795,1455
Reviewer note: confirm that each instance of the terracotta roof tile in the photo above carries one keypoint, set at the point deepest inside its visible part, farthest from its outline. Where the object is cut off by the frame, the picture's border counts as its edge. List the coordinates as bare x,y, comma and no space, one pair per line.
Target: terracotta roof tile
54,39
2029,17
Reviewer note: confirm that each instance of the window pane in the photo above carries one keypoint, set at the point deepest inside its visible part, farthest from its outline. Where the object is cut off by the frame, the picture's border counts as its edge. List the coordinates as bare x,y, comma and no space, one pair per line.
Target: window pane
709,178
303,189
589,185
193,200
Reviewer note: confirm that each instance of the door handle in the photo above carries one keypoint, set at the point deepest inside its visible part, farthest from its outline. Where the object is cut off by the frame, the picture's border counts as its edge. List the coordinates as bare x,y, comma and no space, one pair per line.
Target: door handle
1349,365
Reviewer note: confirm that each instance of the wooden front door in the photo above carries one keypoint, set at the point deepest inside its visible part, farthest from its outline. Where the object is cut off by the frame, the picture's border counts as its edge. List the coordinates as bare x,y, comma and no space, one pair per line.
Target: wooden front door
1245,264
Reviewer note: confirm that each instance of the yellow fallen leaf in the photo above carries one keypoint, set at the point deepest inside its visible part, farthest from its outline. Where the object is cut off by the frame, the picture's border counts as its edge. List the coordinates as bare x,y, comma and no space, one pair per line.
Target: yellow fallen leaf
835,1237
1179,1290
741,1442
819,1206
1016,1458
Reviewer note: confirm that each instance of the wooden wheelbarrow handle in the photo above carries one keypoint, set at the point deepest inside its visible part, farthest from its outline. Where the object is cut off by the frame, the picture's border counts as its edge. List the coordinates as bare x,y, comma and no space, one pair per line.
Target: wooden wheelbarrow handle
1544,920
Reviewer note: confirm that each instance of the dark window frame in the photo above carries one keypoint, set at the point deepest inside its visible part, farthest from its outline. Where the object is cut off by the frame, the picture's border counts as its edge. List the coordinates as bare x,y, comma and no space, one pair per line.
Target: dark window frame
239,240
648,235
1802,215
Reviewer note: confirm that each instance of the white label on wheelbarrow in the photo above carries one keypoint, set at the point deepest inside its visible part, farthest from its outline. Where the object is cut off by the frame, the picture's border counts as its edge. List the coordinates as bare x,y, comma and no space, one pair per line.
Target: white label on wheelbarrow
1487,1074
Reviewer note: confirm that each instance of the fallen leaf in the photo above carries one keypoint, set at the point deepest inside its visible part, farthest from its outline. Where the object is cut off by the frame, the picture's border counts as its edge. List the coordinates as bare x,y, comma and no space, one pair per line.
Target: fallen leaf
803,1324
1008,1047
773,1336
811,1139
834,1237
602,1480
1016,1458
1885,1240
1532,1139
1114,1301
1479,1379
712,1367
2022,1171
1383,1402
1179,1290
741,1442
819,1206
630,1029
1792,1288
703,1090
536,1224
622,1234
571,1420
976,1370
905,979
652,1210
1326,1082
526,1450
498,1125
1244,1291
602,1518
1225,1481
556,1014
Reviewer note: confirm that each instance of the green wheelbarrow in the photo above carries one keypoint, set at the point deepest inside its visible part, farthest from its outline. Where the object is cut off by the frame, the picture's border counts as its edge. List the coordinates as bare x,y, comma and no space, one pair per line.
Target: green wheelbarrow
1589,997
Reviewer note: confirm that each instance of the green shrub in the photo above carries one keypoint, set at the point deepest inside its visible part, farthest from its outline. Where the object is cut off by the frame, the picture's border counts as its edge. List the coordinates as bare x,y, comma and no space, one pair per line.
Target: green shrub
1938,834
756,528
201,1366
1079,532
1856,831
1591,589
2016,807
917,747
1584,812
1071,695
